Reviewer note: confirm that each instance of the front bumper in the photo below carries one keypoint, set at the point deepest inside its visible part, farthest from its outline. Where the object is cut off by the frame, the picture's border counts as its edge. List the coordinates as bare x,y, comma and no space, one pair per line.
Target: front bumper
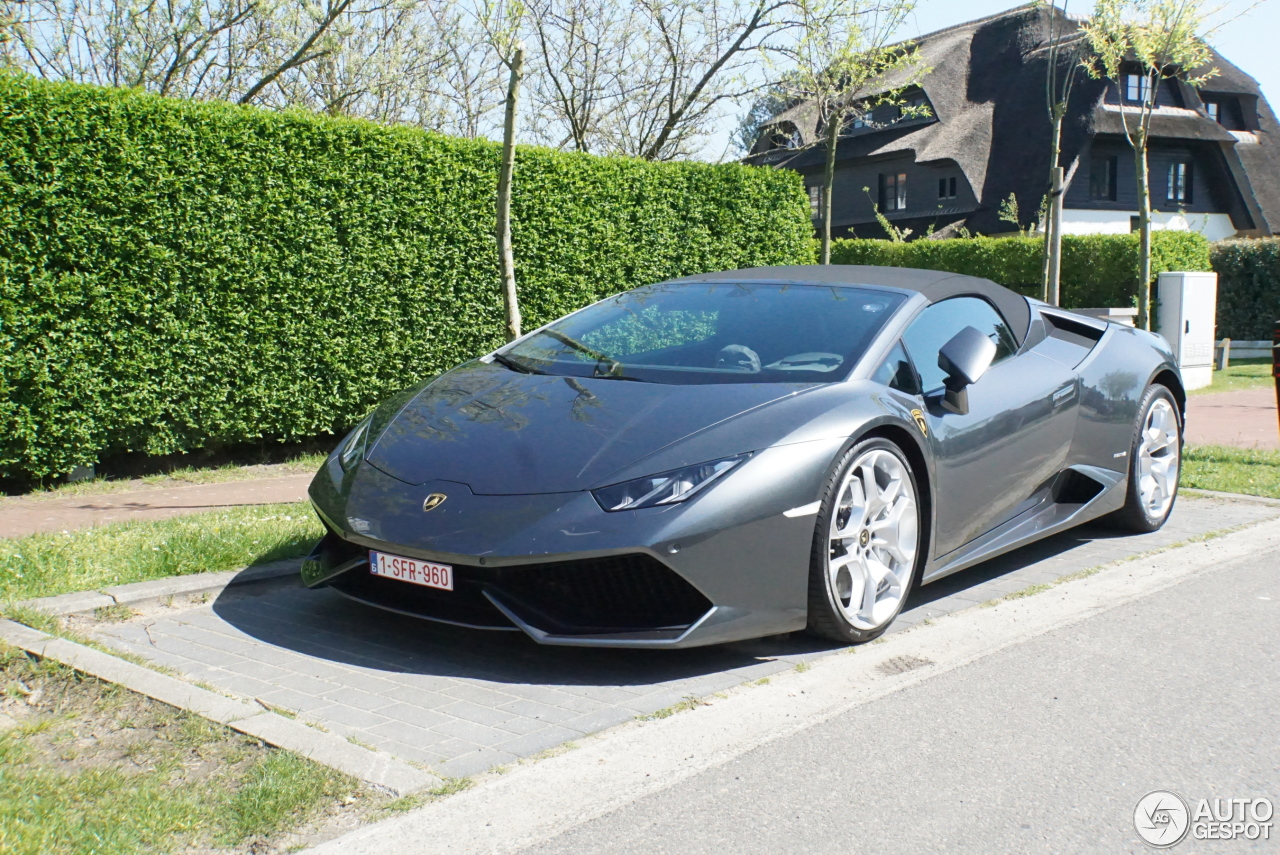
725,566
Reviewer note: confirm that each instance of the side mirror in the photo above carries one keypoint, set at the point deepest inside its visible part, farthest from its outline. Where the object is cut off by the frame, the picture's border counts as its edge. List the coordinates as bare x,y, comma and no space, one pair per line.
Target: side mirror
965,359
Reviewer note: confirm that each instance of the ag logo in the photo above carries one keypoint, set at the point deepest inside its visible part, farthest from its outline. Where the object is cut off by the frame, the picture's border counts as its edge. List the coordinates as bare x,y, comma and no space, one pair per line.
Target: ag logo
920,422
1162,819
433,501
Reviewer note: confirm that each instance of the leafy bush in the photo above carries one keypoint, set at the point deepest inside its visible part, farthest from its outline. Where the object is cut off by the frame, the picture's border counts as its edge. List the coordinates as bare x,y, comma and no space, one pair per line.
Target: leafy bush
177,275
1248,288
1097,270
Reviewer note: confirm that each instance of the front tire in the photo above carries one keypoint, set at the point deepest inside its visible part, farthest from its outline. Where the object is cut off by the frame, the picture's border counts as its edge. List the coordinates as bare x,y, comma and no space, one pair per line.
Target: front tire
867,545
1155,463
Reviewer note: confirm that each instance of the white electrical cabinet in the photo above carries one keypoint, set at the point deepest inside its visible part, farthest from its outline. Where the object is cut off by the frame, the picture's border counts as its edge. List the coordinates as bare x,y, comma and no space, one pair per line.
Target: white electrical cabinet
1186,315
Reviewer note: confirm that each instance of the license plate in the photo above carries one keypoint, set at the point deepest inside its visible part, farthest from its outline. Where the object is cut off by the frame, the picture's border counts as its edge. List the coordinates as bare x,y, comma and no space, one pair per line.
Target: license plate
415,571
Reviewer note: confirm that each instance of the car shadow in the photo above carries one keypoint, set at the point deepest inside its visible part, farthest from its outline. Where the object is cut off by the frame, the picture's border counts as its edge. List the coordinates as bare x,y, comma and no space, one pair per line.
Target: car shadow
324,625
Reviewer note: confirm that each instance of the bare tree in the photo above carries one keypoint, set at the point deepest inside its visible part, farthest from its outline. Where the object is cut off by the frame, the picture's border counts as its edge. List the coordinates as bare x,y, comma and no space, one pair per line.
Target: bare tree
585,60
1140,44
501,21
701,53
845,63
174,47
1066,49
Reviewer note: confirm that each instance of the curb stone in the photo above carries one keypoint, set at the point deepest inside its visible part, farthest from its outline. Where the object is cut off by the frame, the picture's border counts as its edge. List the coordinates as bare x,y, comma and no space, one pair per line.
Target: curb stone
210,584
379,770
1234,497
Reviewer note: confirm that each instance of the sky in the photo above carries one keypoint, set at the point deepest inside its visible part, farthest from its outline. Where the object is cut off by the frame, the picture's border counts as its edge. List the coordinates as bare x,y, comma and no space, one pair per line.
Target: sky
1245,31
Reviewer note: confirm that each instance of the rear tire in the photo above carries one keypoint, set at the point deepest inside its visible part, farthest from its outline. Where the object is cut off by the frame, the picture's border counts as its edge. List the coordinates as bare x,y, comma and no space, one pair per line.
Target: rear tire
1155,463
867,545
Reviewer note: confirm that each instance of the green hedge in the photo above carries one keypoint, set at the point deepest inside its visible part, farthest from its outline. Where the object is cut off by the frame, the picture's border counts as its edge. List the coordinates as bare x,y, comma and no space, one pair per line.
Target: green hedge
1248,288
1097,270
177,275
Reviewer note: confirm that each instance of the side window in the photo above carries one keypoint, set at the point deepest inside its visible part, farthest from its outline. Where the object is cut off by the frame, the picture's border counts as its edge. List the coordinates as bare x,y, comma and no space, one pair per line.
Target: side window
937,324
896,372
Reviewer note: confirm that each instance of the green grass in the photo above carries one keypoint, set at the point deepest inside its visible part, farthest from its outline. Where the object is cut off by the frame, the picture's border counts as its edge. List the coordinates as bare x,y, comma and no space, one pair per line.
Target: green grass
1254,472
302,464
1245,374
93,768
275,793
43,565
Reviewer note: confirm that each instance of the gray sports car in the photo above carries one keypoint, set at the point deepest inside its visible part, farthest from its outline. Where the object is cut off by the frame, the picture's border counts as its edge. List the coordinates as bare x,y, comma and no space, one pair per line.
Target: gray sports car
747,453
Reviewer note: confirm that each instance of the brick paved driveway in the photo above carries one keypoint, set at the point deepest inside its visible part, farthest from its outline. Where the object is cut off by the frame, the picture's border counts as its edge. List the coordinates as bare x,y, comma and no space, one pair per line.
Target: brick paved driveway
461,701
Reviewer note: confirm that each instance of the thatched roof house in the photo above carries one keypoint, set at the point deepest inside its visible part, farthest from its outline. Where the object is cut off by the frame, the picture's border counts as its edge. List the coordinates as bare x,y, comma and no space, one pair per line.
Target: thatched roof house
1214,155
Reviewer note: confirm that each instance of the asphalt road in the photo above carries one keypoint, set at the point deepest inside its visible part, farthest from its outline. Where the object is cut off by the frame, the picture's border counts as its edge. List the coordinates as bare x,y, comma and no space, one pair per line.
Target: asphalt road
1044,746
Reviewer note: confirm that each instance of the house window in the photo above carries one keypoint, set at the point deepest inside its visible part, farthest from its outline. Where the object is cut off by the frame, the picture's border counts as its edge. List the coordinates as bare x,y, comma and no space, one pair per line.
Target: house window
1180,183
857,123
1136,87
893,192
1214,109
946,188
1102,179
815,201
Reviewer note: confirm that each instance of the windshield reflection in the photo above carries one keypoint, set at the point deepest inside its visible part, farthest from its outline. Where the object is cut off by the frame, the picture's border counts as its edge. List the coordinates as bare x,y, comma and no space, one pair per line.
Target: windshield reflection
712,333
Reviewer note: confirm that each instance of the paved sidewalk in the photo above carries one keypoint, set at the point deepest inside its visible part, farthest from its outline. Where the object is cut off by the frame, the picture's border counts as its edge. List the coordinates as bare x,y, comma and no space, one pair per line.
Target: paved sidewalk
462,701
23,515
1244,418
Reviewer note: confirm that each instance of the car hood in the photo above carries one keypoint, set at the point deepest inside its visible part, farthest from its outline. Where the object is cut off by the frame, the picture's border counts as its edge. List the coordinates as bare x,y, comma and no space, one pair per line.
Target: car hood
504,433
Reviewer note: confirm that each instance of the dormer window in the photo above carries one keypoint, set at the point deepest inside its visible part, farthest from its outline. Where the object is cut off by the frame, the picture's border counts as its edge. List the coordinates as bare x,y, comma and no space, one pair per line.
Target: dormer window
1214,109
1136,87
785,136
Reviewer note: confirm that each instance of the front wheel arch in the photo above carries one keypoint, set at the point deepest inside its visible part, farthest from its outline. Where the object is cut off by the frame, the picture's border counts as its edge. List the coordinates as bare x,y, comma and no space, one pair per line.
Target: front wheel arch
910,446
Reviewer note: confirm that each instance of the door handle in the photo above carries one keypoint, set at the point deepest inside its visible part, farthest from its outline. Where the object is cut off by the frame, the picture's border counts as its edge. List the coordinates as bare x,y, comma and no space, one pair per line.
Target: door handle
1188,329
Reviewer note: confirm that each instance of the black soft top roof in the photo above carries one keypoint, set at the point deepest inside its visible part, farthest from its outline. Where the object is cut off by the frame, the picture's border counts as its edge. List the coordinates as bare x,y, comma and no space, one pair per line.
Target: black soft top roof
935,285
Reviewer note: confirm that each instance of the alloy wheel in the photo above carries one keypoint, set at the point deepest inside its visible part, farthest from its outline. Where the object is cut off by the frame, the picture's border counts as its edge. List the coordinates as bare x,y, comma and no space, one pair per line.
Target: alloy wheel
1159,453
874,535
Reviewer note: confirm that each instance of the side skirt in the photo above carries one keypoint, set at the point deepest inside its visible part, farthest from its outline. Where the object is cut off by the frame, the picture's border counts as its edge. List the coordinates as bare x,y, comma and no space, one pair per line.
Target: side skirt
1059,509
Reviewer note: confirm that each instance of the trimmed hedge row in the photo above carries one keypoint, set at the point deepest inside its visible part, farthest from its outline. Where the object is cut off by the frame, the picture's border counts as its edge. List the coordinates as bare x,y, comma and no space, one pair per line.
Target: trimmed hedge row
1248,288
177,275
1097,270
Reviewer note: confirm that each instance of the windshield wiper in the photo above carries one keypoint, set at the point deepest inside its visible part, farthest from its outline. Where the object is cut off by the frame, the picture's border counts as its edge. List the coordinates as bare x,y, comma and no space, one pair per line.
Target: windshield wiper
508,362
612,368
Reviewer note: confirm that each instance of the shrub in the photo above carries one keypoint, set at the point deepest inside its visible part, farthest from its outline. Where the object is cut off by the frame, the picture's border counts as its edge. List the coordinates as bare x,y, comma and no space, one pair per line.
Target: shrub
1097,270
177,275
1248,288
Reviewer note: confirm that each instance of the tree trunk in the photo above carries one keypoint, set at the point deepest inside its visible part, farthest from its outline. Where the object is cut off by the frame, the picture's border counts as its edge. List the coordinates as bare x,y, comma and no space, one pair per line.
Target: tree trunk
828,180
506,259
1055,149
1055,239
1144,235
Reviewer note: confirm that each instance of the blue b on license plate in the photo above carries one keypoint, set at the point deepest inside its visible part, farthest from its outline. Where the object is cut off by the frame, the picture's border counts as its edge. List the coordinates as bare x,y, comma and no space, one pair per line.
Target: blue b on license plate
415,571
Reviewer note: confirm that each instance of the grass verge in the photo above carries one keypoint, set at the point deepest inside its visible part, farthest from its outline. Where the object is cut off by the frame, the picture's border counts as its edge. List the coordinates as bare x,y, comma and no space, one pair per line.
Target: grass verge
1253,472
1245,374
88,767
43,565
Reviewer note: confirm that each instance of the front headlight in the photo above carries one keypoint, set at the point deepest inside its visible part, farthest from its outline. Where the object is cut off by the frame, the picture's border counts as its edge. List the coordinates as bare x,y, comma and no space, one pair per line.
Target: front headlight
666,488
352,449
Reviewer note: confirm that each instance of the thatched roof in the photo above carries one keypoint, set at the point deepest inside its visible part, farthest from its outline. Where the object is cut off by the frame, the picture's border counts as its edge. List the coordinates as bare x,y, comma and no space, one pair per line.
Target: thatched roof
986,90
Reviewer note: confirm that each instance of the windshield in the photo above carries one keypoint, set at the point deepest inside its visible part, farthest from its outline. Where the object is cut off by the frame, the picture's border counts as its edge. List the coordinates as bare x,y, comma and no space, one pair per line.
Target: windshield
712,333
